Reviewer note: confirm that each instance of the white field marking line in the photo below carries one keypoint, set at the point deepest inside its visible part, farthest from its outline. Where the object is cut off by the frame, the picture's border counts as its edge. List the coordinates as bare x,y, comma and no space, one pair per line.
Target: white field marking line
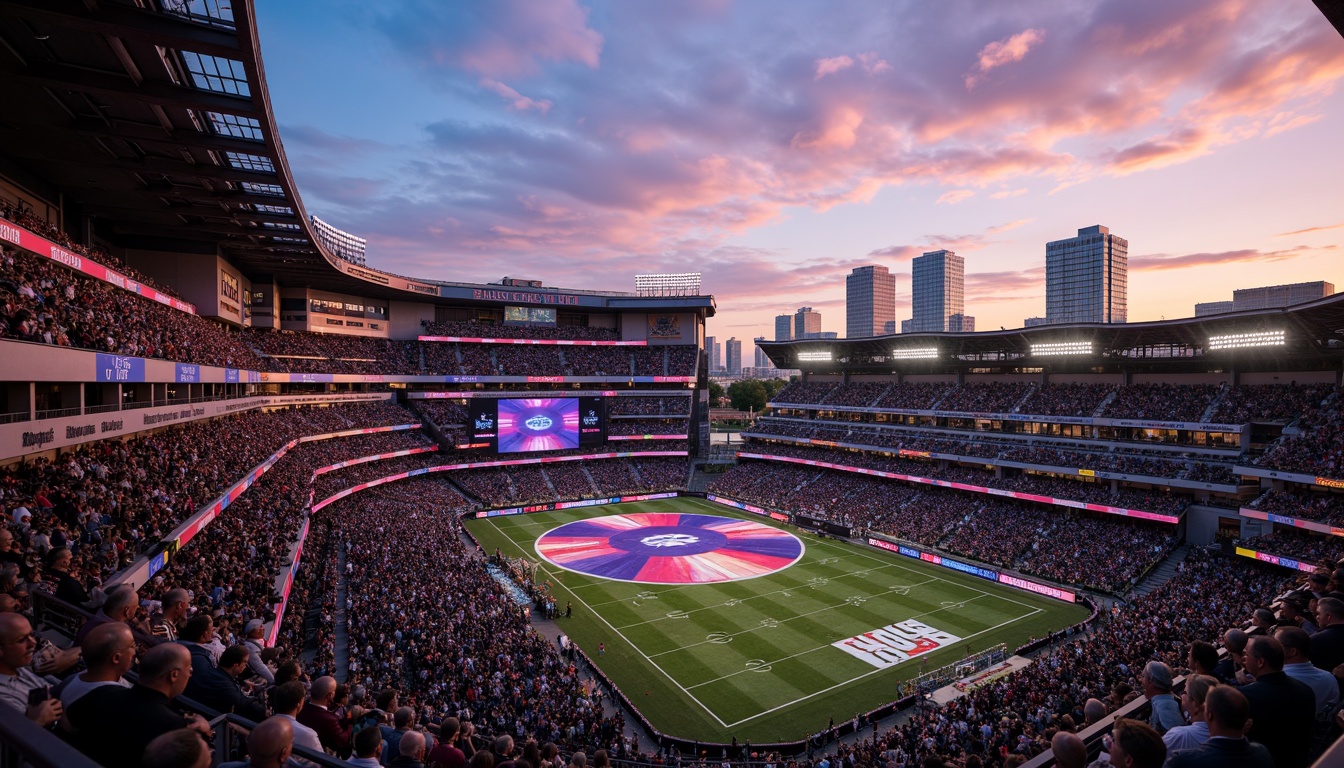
638,650
860,677
752,597
953,583
765,594
804,615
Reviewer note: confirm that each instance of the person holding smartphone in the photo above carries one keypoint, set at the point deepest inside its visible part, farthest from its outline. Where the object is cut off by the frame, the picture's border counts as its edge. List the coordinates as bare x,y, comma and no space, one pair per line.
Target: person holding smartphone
20,688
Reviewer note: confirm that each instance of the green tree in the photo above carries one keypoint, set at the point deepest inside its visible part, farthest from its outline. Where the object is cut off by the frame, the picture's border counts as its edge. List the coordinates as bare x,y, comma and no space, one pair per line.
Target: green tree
715,393
747,395
772,386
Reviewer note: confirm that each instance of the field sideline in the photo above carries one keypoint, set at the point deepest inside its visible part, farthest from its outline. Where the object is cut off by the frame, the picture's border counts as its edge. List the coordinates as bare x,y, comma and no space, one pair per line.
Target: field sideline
754,659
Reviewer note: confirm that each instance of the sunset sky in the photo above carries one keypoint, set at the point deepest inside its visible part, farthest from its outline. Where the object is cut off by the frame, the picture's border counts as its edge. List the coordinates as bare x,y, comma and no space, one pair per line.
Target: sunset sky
774,146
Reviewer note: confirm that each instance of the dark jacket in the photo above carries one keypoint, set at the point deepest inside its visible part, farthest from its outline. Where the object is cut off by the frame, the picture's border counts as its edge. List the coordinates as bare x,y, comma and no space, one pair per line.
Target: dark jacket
331,731
1222,752
209,685
113,725
1283,713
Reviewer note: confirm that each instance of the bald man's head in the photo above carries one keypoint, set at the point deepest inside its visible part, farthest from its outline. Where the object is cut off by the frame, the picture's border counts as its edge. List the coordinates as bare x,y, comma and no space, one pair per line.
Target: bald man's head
413,744
1070,751
166,668
109,646
271,742
323,689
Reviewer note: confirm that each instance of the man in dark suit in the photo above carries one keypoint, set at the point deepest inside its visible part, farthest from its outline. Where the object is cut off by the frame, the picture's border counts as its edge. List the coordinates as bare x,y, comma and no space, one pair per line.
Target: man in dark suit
1327,645
333,731
1226,710
1283,710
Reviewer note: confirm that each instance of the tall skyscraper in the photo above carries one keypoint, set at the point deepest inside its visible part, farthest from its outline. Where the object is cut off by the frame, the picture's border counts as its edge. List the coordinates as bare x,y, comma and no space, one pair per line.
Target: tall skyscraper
805,322
712,347
762,359
938,290
1087,277
870,301
783,327
734,356
1267,297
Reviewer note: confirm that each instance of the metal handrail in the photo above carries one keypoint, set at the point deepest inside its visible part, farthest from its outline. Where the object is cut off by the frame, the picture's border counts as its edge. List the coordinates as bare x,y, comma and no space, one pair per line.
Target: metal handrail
23,743
57,413
107,408
15,417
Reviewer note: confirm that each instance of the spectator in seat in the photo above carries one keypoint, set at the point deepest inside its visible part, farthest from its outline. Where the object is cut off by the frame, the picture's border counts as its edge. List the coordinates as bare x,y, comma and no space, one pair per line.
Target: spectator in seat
446,754
368,748
503,751
109,650
1156,680
113,725
332,731
403,721
120,606
183,748
1202,659
1226,710
1283,710
68,587
163,624
1190,736
269,745
1070,751
412,751
287,700
1327,645
1135,745
1297,665
1234,640
1093,711
253,634
17,680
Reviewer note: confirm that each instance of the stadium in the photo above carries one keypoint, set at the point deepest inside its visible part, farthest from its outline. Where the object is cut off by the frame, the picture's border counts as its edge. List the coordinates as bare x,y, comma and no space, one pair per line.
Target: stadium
275,490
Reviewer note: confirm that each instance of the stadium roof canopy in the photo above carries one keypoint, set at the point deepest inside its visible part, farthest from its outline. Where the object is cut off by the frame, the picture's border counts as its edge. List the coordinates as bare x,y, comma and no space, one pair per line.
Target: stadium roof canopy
152,121
1309,335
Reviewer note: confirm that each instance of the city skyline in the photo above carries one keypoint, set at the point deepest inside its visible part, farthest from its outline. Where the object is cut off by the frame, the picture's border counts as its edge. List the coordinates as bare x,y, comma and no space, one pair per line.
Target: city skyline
582,142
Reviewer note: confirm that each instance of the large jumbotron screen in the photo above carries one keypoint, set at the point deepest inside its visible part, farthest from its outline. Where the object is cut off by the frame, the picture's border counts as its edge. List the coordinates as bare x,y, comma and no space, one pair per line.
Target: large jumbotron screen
531,424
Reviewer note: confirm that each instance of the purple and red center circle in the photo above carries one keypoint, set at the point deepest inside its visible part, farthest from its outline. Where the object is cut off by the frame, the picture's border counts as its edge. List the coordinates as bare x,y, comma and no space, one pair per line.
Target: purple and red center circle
670,548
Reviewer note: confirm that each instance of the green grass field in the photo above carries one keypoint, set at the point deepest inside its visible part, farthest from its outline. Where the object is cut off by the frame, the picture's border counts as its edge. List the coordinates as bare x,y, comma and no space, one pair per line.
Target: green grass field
753,659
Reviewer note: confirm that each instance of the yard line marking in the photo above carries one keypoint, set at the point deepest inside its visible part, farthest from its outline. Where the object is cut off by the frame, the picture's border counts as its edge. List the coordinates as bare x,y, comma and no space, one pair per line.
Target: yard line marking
734,601
800,616
860,677
636,648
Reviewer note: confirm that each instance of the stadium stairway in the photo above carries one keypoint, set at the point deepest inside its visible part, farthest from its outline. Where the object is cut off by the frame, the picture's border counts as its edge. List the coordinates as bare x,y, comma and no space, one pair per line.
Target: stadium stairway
596,490
342,650
1217,401
634,470
1105,401
1162,573
549,484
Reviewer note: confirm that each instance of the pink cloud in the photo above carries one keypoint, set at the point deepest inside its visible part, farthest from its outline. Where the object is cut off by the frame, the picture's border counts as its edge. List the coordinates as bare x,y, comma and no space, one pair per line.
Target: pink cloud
522,33
1162,261
516,100
954,196
832,65
1006,193
1308,230
1006,51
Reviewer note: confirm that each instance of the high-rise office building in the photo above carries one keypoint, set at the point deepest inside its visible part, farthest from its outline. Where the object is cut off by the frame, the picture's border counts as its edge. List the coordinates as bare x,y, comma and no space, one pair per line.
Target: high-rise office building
938,290
762,359
733,363
1087,277
1267,297
870,301
960,323
1032,322
805,322
783,327
712,347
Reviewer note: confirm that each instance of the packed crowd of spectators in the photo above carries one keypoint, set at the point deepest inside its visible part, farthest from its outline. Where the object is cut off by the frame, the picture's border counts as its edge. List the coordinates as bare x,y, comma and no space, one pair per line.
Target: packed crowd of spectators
1165,402
662,473
1073,552
443,413
985,398
45,302
915,396
857,393
40,226
301,352
1270,402
1081,679
648,427
569,480
1066,399
474,330
1307,504
649,406
1300,545
1150,500
1318,447
999,531
327,485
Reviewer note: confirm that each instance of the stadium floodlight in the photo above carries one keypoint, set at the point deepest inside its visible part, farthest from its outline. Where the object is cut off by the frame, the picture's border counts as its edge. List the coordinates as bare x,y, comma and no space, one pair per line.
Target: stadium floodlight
680,284
1062,348
1242,340
815,357
914,353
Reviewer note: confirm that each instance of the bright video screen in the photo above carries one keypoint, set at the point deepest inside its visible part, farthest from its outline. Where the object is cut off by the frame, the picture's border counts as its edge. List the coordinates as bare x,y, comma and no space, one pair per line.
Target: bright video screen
538,424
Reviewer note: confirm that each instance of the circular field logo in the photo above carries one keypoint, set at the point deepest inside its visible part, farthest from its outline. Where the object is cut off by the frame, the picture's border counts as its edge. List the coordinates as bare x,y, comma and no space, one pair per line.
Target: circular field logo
660,548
